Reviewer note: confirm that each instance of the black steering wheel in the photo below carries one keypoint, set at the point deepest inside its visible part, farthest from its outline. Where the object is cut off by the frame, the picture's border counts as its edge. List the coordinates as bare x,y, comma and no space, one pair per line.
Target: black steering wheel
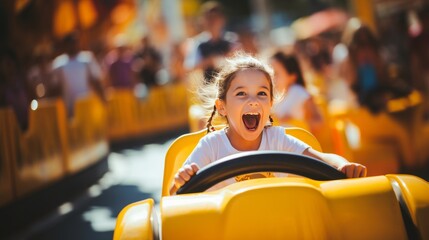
259,161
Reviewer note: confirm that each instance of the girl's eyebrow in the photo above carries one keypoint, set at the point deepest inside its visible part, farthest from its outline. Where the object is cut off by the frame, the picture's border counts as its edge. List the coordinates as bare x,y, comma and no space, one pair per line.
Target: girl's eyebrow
241,87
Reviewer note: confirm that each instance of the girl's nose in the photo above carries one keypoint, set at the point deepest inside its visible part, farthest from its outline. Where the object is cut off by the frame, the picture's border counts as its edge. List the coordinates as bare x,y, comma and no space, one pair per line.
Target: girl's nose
253,102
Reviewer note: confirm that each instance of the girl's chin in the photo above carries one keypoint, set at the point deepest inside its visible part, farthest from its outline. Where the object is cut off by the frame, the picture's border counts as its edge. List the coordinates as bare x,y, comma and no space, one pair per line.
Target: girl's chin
253,132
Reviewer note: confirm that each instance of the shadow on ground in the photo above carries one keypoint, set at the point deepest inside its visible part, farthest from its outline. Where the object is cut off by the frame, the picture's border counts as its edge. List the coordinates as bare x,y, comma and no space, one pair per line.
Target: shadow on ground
96,222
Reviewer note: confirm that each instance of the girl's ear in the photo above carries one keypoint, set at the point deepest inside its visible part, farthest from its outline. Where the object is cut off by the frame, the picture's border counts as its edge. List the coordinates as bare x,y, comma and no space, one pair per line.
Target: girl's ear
220,106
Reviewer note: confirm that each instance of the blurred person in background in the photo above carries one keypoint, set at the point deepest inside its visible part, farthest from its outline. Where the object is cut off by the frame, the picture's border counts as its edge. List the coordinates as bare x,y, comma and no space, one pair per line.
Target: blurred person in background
120,66
316,62
148,63
177,58
208,48
39,76
322,57
369,67
13,88
366,71
77,72
204,52
248,41
339,94
296,104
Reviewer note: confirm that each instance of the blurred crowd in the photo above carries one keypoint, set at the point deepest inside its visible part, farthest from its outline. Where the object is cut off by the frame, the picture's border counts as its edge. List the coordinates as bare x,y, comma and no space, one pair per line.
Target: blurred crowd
349,67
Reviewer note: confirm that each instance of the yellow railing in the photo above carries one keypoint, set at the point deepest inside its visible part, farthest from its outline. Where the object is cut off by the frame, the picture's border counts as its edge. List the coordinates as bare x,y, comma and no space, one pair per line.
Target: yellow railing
6,177
55,146
165,108
52,147
38,152
87,134
387,142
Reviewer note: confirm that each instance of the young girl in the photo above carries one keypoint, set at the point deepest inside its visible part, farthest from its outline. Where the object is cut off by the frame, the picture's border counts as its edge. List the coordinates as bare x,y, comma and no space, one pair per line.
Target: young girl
244,97
296,103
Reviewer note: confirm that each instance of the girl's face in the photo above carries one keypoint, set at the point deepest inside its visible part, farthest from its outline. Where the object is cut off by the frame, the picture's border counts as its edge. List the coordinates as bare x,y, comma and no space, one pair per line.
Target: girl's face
282,78
247,105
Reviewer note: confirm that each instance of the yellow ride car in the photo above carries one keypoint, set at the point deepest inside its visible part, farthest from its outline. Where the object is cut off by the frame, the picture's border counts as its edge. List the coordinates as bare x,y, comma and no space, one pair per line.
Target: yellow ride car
321,204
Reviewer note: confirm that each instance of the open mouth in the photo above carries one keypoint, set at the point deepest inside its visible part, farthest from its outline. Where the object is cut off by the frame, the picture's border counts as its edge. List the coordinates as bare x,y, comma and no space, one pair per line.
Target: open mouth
251,120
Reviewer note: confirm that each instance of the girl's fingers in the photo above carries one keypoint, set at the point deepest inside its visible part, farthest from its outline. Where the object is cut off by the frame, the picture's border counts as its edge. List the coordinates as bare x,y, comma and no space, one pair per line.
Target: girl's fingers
362,171
347,170
183,173
365,172
189,170
343,170
195,167
354,170
359,170
178,181
351,171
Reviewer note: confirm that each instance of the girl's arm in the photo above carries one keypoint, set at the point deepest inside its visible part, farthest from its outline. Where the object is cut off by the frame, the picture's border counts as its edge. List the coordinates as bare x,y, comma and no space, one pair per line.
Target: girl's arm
352,170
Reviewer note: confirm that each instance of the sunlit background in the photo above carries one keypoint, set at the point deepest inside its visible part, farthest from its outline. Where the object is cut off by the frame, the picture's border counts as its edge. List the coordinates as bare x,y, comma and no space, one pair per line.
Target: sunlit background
44,142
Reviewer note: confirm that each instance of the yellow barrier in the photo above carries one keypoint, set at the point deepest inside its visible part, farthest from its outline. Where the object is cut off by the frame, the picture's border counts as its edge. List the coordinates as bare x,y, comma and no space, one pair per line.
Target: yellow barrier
411,118
165,108
157,109
38,153
35,163
87,140
52,146
6,181
378,142
122,113
176,107
396,138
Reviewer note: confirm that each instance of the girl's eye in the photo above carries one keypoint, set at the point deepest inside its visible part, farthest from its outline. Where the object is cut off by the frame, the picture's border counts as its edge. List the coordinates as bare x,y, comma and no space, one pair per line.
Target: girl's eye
263,94
240,94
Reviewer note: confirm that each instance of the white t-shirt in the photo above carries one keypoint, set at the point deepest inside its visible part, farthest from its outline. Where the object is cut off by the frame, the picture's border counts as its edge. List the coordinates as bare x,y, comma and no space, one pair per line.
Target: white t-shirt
292,104
216,145
74,75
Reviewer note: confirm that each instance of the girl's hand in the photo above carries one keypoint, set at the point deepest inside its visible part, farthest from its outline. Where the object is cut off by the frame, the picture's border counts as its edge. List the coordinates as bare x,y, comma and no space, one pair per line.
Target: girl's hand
353,170
182,176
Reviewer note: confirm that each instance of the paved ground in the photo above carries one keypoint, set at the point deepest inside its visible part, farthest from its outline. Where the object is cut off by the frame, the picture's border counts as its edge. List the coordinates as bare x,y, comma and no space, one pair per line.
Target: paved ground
135,174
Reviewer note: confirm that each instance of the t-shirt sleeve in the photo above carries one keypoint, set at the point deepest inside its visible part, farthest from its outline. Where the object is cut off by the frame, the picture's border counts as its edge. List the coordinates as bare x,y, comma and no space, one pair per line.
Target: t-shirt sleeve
290,143
201,154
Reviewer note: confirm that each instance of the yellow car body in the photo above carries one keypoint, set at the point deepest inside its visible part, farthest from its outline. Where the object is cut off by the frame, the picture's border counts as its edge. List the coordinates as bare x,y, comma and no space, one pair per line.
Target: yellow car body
379,207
